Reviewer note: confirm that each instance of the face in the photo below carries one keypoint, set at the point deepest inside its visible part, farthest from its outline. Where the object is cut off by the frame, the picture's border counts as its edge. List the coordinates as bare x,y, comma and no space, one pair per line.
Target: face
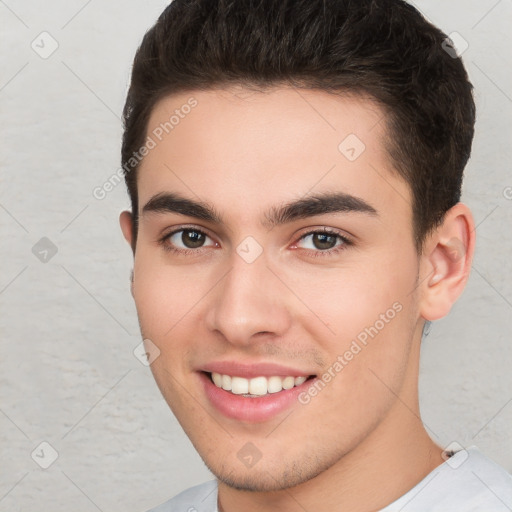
274,275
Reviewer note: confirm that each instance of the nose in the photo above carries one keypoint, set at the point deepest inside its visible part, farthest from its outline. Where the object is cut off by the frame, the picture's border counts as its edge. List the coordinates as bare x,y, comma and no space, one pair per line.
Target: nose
249,301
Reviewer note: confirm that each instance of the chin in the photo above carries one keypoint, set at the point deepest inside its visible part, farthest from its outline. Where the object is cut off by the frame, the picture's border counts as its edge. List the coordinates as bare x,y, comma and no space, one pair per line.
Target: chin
267,478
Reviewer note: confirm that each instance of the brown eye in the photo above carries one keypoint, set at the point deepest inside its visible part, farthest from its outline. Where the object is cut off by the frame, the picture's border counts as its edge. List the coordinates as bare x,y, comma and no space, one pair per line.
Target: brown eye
322,241
192,239
187,238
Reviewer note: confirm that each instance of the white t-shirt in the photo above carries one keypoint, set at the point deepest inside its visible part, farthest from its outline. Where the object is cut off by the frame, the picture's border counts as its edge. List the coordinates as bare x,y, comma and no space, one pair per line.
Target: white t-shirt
466,482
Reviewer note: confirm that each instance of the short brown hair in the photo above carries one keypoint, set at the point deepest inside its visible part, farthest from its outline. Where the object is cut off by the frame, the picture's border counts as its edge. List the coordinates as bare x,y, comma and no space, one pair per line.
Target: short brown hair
383,49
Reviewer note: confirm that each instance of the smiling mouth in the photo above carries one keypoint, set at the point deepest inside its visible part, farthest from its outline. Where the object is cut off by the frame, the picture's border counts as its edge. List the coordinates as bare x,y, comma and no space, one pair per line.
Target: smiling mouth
257,386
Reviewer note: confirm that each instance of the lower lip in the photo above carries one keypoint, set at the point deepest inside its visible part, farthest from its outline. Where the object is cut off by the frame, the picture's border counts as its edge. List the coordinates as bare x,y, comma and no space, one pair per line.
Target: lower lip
253,410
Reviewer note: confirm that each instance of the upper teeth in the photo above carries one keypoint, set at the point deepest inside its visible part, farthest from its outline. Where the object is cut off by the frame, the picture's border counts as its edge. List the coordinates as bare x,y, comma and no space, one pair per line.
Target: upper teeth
258,386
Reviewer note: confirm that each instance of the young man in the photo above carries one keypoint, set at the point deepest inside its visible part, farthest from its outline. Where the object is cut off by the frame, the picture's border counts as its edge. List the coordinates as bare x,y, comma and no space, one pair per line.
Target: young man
294,170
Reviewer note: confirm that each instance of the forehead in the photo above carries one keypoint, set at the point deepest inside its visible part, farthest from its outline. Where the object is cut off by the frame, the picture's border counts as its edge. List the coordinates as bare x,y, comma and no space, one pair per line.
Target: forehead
246,150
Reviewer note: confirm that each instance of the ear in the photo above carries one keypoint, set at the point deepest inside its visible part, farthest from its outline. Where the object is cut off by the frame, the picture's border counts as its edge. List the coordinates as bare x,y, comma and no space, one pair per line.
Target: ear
126,223
446,262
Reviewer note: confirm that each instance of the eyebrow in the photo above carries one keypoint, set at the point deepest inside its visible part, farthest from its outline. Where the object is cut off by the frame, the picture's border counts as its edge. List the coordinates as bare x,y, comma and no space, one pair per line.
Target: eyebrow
308,206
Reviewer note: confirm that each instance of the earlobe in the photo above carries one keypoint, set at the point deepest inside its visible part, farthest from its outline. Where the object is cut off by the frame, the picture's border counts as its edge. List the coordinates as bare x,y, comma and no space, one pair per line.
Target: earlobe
446,262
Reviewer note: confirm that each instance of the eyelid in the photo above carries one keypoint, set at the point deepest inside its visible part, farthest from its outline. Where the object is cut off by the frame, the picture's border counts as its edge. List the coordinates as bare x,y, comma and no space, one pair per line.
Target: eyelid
185,227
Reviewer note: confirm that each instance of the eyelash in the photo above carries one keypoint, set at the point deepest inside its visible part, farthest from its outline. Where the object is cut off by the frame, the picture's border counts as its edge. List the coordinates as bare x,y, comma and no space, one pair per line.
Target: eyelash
315,253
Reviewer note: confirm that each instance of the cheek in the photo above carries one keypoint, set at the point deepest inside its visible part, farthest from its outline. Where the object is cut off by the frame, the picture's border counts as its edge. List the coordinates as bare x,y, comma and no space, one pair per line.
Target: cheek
375,325
366,368
163,295
368,316
343,302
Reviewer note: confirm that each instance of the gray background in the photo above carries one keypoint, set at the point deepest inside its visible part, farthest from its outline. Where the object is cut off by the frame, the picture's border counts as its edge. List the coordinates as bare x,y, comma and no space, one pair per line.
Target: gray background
68,373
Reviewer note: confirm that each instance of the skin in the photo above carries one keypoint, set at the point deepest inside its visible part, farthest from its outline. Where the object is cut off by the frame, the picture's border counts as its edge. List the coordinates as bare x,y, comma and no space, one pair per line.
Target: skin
359,444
